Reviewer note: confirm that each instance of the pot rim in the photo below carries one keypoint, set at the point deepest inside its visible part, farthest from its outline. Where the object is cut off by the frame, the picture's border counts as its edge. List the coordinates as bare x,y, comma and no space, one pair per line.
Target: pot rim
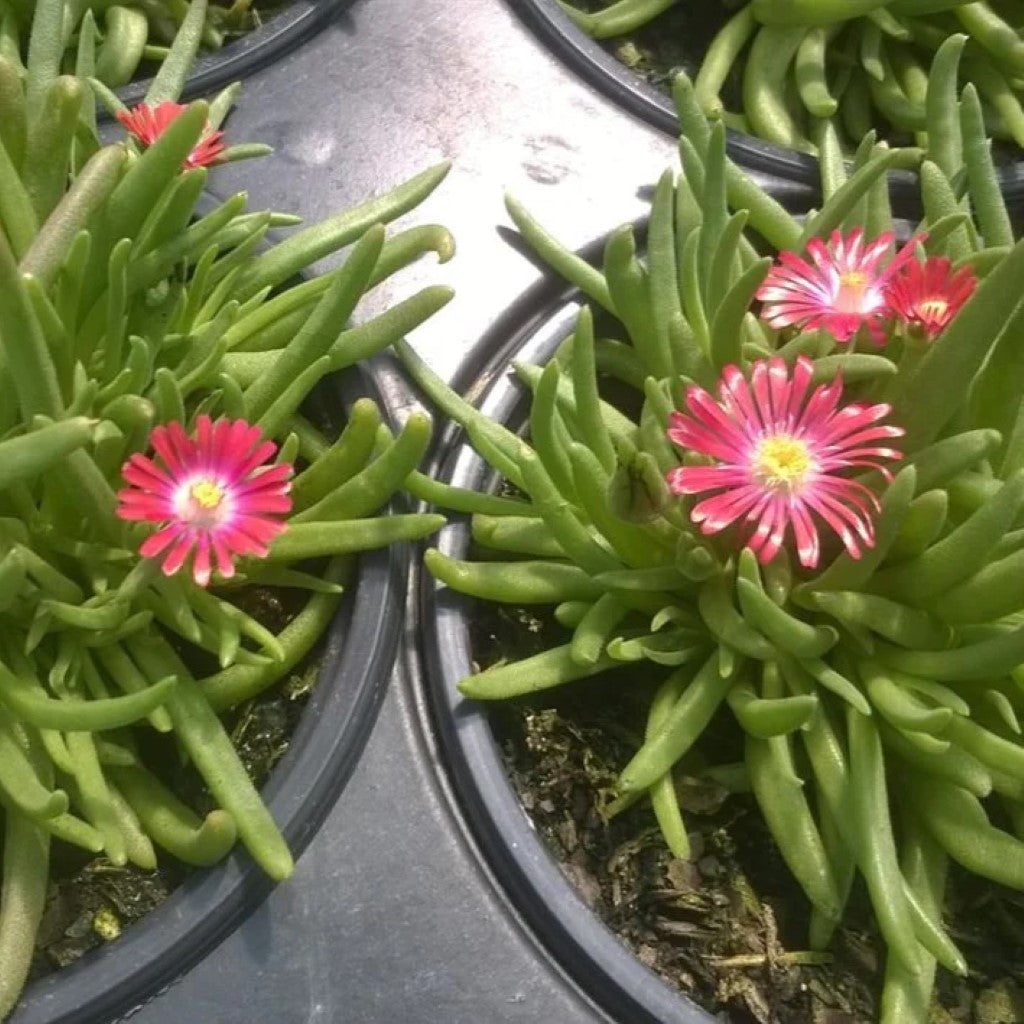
248,53
110,982
601,70
573,935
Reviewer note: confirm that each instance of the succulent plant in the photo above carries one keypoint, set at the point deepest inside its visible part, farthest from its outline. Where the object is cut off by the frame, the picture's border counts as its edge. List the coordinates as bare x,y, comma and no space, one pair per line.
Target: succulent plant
130,321
813,524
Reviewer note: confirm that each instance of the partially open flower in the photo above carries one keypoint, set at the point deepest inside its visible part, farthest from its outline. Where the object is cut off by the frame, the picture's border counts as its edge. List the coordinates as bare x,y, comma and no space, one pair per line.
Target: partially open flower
928,295
148,123
842,291
213,494
779,448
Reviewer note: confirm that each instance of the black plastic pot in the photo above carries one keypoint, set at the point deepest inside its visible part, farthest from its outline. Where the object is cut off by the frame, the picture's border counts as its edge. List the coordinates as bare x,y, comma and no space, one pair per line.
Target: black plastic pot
245,55
571,933
359,650
601,70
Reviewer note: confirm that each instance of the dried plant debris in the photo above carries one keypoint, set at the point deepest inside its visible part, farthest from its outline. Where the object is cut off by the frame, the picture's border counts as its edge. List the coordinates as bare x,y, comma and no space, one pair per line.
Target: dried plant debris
264,728
94,905
725,927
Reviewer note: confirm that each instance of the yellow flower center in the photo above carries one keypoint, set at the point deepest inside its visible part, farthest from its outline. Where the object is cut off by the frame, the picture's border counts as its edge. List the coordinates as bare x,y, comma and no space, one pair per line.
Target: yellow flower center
206,494
936,308
852,286
782,462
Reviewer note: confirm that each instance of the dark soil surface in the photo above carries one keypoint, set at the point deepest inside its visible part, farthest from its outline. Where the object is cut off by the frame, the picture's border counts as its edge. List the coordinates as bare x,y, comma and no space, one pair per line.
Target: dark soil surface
728,927
92,901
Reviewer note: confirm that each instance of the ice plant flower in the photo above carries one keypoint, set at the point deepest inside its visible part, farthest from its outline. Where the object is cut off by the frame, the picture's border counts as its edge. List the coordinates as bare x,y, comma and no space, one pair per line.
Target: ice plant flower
213,494
843,289
779,448
148,123
928,295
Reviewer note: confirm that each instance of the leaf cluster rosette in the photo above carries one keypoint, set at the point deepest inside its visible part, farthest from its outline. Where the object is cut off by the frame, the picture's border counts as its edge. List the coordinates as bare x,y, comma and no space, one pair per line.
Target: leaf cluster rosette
850,592
800,63
113,42
157,464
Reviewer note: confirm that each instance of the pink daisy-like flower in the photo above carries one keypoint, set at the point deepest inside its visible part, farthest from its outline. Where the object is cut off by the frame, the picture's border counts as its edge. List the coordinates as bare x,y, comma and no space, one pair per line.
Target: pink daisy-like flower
148,123
844,288
928,295
778,448
213,493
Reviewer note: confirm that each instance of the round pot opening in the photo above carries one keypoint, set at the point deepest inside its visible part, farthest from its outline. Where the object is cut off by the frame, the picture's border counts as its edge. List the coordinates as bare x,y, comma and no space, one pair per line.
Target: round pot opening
541,884
609,76
246,54
356,656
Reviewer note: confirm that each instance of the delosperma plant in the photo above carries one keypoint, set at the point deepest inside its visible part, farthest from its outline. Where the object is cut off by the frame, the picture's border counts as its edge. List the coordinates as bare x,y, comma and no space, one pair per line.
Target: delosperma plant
800,62
812,525
48,119
113,42
157,461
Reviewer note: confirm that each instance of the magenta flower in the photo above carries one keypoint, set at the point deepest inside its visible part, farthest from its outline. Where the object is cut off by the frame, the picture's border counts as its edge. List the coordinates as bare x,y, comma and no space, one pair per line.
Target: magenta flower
213,493
148,123
844,289
778,449
928,295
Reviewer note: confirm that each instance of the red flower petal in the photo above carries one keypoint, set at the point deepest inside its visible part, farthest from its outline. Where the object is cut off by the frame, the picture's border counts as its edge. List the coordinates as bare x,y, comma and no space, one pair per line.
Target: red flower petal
147,124
779,449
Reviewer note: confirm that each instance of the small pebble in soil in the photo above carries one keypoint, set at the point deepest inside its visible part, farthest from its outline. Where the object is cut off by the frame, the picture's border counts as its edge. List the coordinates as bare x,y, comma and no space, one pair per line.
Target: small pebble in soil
106,925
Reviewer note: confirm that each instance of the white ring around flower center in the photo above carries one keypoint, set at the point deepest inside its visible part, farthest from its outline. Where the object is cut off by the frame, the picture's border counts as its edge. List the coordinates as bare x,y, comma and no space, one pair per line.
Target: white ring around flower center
855,293
202,501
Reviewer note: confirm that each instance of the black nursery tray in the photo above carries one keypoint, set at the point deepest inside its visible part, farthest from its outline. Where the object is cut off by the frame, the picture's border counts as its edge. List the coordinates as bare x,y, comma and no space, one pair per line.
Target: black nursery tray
395,913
